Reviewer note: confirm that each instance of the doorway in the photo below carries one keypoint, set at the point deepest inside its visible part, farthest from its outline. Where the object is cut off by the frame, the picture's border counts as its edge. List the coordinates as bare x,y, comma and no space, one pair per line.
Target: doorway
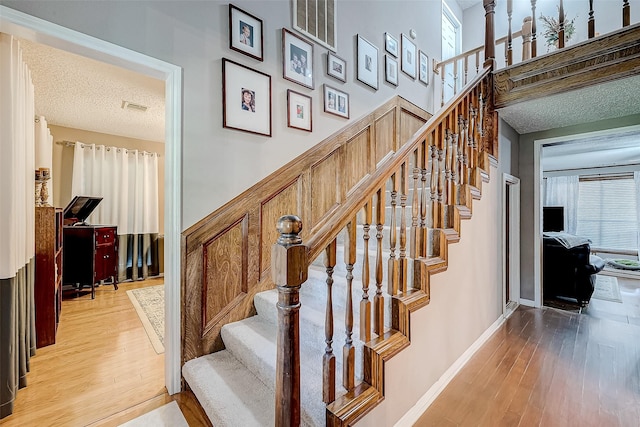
511,243
36,30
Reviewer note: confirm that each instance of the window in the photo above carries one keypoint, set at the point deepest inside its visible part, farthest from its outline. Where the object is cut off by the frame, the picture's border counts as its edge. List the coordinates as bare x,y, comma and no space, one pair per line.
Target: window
317,20
607,212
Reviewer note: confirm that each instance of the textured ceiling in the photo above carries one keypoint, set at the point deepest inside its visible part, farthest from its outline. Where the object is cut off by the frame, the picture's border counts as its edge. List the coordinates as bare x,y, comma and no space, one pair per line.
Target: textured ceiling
78,92
609,100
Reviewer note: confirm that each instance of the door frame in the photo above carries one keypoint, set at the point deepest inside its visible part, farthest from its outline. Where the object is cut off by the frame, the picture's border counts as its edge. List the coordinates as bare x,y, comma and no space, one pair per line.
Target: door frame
510,232
34,29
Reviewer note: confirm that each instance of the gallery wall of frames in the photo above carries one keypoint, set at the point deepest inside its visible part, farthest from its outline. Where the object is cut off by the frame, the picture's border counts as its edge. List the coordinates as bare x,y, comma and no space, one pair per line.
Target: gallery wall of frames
247,91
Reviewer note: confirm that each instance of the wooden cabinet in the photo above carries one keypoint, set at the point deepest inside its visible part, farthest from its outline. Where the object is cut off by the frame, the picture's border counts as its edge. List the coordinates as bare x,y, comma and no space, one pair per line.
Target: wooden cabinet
90,256
48,273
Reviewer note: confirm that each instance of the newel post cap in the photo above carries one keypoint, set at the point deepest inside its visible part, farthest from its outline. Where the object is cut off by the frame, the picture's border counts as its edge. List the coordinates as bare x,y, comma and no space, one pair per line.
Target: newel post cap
288,254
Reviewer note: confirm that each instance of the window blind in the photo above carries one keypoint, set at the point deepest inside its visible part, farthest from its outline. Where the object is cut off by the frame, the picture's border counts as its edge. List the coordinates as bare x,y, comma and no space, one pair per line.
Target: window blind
607,213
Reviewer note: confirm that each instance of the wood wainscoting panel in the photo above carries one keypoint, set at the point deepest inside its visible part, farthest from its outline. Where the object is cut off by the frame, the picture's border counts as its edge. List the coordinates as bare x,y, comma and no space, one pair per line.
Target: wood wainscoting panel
283,202
386,136
225,273
325,187
410,122
357,159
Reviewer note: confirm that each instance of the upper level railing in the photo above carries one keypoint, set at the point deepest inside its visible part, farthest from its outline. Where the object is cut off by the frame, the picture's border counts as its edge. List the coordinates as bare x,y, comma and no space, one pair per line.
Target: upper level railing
520,45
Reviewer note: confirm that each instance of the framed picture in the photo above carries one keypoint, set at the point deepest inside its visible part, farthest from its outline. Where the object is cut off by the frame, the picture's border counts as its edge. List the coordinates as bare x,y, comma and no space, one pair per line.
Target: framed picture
246,98
336,67
297,55
391,44
336,102
298,110
367,63
391,70
245,33
408,61
423,68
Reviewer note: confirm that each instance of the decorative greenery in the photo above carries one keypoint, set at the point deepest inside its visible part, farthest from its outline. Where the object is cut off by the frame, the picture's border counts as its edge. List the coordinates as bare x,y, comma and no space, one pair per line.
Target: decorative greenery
552,28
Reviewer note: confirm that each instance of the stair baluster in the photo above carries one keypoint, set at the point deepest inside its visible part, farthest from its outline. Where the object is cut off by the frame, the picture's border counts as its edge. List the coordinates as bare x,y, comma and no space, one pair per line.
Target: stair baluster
289,271
329,359
378,299
393,264
348,350
415,206
403,266
365,304
425,202
433,187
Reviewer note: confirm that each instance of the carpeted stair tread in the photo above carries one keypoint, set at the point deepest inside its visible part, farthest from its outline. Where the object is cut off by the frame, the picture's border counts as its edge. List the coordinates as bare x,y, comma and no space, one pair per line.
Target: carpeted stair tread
253,342
228,392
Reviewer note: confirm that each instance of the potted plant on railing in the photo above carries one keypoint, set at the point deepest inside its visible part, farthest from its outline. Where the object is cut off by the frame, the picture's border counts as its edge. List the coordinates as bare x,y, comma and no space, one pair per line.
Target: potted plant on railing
551,26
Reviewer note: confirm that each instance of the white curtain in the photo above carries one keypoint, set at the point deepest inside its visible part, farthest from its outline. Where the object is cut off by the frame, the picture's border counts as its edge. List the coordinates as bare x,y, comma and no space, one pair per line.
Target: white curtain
127,180
636,180
563,191
17,221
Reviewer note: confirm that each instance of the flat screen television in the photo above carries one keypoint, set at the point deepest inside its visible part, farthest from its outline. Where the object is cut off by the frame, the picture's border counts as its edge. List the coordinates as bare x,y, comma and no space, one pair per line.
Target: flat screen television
80,208
553,218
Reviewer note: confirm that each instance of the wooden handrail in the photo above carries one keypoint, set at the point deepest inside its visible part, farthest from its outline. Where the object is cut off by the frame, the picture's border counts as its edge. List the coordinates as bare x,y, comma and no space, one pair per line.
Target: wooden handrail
445,157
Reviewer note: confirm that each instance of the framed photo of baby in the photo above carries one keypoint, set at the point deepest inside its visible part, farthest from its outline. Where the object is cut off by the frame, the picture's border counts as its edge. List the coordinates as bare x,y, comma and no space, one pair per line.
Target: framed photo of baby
297,55
245,33
246,98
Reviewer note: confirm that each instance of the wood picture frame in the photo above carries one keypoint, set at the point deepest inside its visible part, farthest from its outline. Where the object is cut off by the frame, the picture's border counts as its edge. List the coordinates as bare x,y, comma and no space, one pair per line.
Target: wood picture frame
246,33
297,59
409,58
336,67
299,113
391,70
367,62
391,44
336,101
246,98
423,67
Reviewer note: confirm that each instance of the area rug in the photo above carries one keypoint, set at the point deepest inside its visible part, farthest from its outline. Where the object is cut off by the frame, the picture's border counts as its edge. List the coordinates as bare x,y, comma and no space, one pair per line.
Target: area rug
168,415
149,304
606,288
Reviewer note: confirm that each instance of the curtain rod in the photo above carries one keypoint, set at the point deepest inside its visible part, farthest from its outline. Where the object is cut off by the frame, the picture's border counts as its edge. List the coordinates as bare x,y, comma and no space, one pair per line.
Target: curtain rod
72,144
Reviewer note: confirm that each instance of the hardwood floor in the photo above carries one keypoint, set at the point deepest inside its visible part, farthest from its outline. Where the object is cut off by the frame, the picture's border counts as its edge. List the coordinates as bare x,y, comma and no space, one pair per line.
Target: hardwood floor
546,367
102,370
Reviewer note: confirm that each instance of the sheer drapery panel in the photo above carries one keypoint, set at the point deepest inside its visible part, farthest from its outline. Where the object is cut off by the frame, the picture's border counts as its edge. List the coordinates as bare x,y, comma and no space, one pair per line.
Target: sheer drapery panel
563,191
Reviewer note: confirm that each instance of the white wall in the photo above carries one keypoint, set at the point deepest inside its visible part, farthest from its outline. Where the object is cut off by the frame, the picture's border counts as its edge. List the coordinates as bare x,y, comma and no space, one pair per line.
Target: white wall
220,163
465,301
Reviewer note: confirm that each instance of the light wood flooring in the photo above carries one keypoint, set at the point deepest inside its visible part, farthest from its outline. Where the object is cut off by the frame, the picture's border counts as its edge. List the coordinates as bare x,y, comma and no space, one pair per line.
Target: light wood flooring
547,367
102,370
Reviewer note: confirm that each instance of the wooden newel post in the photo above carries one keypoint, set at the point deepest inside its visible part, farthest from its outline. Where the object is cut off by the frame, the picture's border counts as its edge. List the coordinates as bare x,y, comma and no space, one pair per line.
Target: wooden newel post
489,32
289,272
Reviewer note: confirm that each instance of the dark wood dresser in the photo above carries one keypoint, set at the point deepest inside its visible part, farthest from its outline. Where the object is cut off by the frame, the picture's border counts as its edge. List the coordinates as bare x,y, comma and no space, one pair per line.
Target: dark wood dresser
48,271
90,256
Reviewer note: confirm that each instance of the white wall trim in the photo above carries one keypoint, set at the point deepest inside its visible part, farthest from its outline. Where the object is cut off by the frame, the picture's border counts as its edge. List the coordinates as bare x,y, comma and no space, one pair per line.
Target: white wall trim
413,414
40,31
511,186
527,302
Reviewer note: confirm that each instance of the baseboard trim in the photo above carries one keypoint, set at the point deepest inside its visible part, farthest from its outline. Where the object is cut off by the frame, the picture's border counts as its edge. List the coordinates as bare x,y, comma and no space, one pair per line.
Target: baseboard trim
413,414
527,302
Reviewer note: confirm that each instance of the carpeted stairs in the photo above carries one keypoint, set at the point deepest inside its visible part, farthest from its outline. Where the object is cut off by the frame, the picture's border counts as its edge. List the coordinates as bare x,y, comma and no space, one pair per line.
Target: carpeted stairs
236,386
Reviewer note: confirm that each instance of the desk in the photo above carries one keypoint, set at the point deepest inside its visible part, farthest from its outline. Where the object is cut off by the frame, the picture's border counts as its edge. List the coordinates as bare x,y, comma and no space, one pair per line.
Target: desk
90,256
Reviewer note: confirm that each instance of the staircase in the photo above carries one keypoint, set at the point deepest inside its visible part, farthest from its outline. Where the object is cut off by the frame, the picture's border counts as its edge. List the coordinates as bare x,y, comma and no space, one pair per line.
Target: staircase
235,386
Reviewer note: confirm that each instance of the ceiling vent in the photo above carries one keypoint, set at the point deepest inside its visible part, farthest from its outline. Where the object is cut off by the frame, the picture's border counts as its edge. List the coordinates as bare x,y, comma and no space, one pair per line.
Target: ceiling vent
126,105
